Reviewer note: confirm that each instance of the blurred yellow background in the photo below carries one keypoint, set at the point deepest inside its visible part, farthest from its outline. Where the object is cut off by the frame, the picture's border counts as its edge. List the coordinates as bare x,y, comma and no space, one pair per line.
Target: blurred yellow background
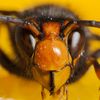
15,88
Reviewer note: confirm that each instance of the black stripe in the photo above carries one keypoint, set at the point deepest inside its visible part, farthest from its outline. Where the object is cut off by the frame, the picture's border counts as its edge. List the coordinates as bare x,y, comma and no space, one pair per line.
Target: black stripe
51,82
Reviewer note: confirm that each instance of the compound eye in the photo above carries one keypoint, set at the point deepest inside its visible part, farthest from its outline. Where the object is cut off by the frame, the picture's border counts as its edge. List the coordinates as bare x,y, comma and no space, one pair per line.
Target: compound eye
28,44
76,42
33,41
25,42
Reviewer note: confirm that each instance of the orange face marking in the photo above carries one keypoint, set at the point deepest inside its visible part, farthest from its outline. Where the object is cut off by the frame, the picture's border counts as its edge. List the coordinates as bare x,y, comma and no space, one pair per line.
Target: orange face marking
51,55
51,28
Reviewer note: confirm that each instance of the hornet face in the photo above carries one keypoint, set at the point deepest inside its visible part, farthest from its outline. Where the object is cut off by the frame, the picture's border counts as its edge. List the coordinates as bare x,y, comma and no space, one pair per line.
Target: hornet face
51,45
51,58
